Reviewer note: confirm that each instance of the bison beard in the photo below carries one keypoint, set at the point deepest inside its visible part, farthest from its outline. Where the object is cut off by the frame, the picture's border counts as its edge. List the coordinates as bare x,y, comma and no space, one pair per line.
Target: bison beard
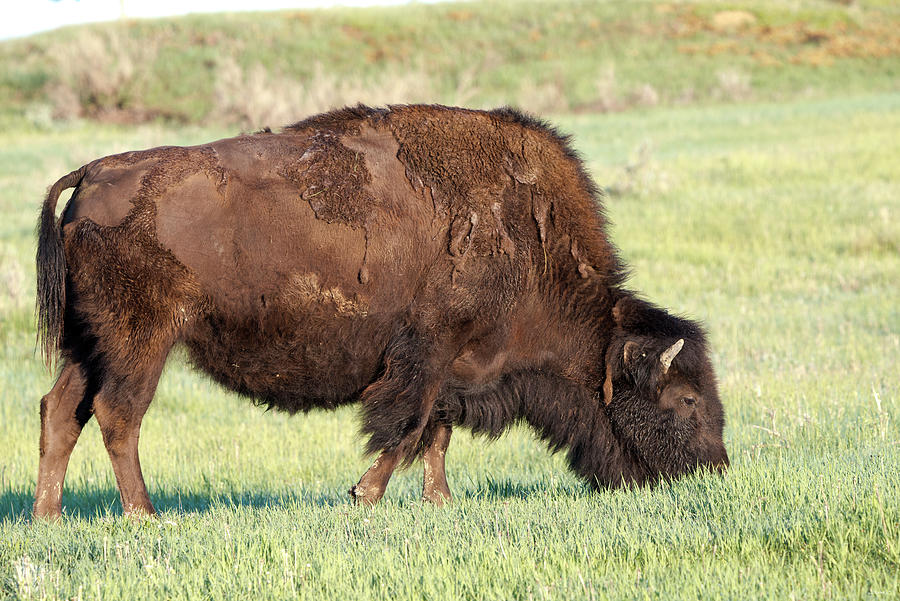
441,267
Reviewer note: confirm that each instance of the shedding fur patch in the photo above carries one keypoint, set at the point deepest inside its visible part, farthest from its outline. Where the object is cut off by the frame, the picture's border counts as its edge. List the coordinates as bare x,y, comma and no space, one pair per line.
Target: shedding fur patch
306,289
334,180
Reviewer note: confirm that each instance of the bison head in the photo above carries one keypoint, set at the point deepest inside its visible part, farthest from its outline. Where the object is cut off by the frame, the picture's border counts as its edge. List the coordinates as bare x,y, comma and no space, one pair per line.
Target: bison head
661,395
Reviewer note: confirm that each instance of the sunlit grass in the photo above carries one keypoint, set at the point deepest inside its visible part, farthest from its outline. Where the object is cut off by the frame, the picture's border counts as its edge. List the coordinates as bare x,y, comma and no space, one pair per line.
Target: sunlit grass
778,225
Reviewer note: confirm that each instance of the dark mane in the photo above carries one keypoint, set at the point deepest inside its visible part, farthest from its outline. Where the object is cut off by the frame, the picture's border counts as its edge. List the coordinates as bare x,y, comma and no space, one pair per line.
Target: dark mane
511,114
338,119
643,318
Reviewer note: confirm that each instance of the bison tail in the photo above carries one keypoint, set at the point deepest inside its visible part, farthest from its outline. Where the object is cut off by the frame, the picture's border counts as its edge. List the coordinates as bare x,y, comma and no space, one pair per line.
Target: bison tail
51,270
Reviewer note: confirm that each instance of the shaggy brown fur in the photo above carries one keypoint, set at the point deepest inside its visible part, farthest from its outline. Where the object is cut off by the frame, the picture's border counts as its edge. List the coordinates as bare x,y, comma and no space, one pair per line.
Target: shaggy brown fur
439,266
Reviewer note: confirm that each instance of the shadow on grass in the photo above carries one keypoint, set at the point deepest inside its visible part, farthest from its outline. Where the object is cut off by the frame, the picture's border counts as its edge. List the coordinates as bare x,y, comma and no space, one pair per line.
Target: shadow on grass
506,489
93,502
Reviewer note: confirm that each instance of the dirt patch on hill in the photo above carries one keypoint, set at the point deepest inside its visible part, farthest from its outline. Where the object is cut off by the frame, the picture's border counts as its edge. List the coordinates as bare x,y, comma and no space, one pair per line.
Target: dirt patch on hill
742,33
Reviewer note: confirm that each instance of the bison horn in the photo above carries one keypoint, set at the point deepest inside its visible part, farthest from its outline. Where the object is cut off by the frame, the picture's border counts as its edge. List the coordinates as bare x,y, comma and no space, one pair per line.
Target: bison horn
669,354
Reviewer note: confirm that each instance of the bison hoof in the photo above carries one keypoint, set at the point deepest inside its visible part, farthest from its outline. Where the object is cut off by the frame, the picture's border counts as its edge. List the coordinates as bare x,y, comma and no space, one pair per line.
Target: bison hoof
40,515
438,499
363,496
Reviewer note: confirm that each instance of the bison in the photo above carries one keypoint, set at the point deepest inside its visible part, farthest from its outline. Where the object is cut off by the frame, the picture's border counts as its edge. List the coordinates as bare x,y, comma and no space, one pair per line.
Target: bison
439,266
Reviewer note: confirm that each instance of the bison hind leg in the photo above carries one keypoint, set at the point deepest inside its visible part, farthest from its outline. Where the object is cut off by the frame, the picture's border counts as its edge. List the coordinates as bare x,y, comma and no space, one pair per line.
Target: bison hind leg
119,407
64,412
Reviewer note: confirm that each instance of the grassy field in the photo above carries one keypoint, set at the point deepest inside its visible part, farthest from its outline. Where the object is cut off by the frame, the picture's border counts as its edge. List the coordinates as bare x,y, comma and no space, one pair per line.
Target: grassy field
777,223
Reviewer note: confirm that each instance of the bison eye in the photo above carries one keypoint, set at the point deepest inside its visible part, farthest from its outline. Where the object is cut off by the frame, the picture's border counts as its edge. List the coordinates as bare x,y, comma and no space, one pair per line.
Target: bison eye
688,400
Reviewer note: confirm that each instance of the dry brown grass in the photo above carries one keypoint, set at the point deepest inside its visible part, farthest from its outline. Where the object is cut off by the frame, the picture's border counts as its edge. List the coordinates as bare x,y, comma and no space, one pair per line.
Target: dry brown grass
733,84
611,97
641,176
12,281
98,73
607,90
799,42
546,97
256,97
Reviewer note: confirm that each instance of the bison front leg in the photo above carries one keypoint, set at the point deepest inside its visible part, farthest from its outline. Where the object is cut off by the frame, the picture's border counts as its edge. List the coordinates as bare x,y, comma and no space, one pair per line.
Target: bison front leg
397,407
396,432
434,487
373,483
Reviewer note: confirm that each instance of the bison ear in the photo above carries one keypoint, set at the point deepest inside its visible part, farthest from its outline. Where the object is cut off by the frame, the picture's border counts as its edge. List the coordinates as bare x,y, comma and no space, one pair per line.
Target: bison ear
631,350
610,371
613,364
619,310
607,385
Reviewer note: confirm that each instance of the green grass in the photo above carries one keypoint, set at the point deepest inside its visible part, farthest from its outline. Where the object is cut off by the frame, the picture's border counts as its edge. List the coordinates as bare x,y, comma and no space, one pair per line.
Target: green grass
777,223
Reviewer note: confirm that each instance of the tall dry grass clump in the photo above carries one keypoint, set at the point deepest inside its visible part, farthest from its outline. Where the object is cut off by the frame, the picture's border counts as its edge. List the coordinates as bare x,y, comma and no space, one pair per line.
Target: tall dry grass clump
732,84
12,280
255,97
99,73
545,97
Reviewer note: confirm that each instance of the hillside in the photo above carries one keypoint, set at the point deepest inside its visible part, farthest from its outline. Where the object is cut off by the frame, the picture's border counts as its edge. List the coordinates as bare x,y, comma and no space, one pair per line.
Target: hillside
255,69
